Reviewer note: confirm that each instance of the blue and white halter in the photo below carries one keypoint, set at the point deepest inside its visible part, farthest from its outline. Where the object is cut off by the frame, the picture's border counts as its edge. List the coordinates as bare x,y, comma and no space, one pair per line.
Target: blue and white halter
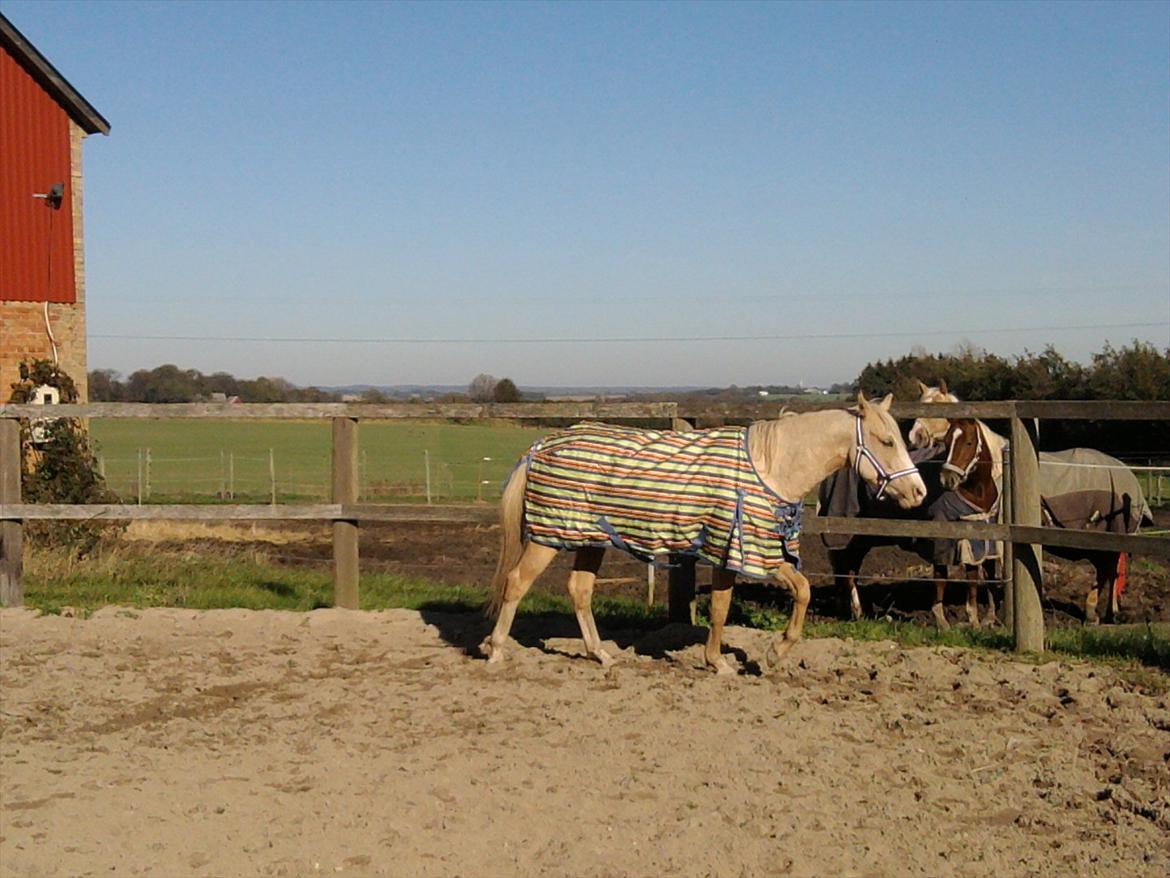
884,478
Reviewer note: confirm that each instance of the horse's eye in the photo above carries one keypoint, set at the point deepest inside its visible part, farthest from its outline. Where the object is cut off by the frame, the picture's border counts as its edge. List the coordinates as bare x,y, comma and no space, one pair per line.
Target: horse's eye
888,442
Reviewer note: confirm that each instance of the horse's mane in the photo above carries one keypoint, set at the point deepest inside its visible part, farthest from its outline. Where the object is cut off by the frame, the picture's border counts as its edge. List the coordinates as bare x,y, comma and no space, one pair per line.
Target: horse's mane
761,439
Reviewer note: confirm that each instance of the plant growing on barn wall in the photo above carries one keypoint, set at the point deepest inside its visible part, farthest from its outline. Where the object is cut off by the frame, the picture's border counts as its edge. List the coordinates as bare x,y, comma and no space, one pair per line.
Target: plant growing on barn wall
60,467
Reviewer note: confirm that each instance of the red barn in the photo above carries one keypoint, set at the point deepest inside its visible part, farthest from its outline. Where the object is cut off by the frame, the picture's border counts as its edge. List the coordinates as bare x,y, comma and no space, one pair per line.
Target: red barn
43,120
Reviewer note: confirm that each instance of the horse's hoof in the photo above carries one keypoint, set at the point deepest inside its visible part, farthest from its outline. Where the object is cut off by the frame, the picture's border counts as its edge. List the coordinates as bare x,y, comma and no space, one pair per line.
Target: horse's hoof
940,620
774,657
489,652
604,658
720,666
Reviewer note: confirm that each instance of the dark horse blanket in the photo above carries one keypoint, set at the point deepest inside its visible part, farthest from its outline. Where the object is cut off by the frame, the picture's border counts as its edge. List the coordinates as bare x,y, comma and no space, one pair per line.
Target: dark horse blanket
1080,488
651,492
844,494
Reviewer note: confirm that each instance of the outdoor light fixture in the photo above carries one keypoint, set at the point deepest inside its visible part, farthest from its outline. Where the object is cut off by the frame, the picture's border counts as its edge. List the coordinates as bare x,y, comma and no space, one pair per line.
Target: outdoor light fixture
54,196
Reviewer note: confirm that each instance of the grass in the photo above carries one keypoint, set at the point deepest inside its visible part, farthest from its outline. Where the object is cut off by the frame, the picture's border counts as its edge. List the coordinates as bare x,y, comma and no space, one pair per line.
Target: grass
143,576
208,580
196,460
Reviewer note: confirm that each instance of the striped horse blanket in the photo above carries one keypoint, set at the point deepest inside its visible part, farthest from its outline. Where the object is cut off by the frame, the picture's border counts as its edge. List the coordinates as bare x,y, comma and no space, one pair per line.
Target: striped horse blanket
650,493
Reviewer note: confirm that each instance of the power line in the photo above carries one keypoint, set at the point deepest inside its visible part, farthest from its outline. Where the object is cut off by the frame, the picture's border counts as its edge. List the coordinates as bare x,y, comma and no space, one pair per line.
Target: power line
779,298
811,336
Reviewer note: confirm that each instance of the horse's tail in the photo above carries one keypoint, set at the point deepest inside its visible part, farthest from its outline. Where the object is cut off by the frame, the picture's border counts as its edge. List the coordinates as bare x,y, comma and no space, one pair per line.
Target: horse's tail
511,538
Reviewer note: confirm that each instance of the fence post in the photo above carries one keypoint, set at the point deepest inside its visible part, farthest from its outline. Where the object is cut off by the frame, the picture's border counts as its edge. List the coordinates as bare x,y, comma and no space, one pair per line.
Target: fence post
139,476
146,490
427,464
11,532
345,533
1027,613
1007,562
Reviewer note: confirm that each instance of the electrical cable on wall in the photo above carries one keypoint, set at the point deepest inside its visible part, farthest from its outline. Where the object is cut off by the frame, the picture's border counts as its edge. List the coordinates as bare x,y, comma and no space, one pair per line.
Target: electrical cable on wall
53,199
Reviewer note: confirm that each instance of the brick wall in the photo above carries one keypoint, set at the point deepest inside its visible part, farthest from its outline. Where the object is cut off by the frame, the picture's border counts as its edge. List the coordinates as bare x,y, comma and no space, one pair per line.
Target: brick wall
23,337
22,324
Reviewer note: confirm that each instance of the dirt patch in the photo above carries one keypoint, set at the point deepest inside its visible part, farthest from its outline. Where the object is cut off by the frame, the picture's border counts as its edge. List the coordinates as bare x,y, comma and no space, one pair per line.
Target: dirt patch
232,742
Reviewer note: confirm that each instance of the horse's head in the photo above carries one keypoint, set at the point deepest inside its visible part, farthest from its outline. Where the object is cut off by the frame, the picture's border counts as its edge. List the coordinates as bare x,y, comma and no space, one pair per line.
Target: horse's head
879,454
928,431
963,441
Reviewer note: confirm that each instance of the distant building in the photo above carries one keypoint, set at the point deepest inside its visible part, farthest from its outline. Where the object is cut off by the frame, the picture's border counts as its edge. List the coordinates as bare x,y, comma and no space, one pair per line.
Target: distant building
43,120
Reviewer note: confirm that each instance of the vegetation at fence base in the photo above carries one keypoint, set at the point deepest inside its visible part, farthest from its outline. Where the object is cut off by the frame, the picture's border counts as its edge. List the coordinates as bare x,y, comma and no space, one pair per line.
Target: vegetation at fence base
57,465
208,580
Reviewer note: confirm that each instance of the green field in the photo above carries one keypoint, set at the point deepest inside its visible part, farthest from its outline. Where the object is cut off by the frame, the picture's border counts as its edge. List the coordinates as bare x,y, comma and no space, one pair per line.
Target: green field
206,461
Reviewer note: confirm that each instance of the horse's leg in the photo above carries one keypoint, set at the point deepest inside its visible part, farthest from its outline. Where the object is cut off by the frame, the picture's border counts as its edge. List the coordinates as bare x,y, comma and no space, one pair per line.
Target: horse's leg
854,597
795,582
989,574
1102,588
722,583
846,565
1091,617
940,587
520,578
972,572
1113,613
585,567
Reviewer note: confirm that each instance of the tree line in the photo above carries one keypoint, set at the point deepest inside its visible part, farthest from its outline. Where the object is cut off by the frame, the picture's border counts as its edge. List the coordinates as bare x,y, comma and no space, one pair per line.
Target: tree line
1138,371
170,384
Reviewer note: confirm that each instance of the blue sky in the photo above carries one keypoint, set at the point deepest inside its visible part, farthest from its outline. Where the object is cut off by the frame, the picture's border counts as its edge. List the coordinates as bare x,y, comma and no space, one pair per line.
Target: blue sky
793,189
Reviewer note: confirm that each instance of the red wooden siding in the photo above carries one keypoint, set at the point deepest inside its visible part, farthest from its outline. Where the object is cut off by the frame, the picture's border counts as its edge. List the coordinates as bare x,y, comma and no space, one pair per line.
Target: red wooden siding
34,154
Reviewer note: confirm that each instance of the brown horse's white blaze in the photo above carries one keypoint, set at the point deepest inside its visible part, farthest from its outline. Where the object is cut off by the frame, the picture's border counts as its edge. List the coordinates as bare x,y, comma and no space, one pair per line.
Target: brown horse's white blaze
790,456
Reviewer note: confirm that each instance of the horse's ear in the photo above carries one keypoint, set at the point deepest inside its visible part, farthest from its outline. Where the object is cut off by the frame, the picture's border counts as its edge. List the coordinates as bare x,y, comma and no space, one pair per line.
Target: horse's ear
922,386
942,386
884,405
862,405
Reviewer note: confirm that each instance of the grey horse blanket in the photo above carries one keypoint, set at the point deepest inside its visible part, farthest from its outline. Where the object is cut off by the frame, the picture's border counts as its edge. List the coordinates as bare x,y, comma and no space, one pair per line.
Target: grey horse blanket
1086,489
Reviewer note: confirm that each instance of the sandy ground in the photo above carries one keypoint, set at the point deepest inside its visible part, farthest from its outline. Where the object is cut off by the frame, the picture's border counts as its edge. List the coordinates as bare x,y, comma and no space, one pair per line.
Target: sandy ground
175,742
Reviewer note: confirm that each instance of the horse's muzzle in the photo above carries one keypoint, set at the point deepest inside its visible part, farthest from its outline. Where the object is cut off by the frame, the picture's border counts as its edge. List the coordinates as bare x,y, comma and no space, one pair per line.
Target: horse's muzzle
950,479
909,491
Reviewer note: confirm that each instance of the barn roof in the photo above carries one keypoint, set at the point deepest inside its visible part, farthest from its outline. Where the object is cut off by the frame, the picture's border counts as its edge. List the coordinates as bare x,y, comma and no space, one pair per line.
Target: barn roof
80,110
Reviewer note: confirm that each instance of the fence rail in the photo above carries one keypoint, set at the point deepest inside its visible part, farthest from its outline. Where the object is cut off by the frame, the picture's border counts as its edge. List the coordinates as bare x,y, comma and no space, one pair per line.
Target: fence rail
1021,531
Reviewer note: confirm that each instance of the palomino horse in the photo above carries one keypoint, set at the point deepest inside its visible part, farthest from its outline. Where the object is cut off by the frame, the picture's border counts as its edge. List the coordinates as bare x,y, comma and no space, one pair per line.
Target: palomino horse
1080,488
729,496
959,486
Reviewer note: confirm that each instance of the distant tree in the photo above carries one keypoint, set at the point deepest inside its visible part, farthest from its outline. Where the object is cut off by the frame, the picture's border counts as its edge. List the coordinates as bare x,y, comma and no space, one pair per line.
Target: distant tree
505,391
373,395
482,388
1139,371
104,386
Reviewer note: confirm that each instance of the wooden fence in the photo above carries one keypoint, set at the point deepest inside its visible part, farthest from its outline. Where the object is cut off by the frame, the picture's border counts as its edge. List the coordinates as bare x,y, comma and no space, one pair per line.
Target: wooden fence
1021,531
